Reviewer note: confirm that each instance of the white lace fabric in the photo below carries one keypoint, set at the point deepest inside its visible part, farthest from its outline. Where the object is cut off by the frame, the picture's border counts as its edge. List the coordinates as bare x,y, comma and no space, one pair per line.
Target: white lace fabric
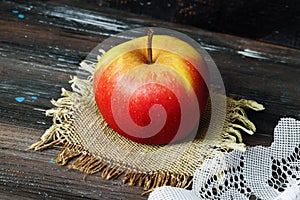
266,173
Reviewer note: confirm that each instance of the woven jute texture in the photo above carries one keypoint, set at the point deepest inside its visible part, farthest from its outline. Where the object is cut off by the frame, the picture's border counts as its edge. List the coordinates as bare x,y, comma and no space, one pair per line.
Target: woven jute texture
85,137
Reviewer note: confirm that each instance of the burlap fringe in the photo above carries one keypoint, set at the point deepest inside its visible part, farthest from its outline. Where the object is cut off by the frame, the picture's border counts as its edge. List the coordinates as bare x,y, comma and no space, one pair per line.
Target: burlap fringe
237,121
90,164
59,134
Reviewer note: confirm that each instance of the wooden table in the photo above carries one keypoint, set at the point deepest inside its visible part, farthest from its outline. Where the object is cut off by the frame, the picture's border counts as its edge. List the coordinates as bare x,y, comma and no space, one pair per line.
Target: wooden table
41,45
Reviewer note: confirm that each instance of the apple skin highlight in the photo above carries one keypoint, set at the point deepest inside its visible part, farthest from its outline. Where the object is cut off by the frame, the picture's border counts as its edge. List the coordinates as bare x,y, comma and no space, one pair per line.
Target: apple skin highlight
157,103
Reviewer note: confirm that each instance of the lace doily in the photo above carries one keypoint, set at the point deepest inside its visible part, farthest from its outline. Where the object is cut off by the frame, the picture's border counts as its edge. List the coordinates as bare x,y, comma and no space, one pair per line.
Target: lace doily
259,173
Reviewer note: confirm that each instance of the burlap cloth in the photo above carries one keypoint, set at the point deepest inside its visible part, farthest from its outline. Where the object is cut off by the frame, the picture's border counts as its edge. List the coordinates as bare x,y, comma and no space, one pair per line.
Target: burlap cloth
93,146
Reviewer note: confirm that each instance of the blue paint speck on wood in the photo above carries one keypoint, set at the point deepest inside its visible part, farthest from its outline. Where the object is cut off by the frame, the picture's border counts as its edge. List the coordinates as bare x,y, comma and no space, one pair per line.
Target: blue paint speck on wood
21,16
15,11
34,97
20,99
51,161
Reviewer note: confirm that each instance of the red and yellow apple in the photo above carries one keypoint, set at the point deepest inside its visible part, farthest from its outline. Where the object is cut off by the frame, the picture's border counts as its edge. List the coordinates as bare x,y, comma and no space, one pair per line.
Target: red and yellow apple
151,89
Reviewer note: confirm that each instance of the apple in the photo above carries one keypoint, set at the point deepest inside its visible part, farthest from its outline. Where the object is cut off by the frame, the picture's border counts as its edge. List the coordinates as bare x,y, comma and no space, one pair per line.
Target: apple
152,89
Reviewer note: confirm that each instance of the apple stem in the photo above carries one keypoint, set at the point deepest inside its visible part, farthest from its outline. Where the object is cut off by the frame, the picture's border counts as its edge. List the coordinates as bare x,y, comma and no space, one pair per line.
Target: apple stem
149,49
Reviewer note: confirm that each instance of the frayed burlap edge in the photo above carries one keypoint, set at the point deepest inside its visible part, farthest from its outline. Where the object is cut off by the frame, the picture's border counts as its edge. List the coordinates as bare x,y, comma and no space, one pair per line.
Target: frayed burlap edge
61,133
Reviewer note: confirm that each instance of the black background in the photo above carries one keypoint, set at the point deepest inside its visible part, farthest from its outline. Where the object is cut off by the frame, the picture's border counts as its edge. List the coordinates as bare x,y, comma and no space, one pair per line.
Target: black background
276,21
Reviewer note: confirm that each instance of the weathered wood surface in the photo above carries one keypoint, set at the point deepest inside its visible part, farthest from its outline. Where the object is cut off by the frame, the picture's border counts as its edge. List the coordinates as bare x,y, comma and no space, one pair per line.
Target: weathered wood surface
40,52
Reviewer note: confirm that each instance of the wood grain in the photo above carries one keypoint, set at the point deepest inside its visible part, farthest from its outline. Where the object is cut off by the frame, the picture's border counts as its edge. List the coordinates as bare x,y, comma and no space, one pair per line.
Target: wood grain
39,53
34,176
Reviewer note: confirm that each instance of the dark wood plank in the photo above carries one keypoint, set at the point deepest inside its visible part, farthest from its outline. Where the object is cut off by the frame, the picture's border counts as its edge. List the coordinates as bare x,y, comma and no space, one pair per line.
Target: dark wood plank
34,175
40,52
